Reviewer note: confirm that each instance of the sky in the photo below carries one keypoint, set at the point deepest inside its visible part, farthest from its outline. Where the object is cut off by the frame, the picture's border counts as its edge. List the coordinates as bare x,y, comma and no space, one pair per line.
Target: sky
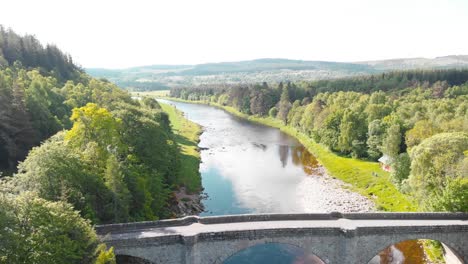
120,34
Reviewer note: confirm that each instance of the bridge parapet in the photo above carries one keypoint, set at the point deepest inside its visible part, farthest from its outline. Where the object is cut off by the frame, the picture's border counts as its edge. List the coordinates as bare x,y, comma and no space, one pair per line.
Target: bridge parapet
188,220
335,237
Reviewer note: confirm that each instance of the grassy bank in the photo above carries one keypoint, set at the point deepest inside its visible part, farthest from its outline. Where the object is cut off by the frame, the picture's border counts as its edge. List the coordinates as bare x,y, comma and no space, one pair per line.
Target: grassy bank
187,136
158,93
365,177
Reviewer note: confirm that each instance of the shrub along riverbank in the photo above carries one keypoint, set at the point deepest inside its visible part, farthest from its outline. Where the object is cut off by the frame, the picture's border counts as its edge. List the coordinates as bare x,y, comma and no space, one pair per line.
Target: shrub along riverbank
366,177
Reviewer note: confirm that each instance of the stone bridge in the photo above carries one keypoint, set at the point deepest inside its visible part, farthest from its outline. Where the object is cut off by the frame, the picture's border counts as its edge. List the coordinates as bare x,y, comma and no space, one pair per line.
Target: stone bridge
335,238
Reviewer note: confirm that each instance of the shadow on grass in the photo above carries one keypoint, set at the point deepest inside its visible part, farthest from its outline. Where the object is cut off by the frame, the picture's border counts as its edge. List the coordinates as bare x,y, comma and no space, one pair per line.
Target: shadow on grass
189,175
181,140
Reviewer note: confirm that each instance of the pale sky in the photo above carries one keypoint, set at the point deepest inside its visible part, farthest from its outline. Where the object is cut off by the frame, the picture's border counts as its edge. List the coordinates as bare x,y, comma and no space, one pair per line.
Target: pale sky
118,34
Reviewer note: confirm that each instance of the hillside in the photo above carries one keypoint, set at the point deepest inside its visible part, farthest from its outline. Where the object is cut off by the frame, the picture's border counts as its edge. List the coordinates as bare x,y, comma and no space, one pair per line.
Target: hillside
453,61
159,77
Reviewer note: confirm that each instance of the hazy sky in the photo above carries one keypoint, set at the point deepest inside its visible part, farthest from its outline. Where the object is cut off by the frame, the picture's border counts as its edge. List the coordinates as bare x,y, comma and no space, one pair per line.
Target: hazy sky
115,34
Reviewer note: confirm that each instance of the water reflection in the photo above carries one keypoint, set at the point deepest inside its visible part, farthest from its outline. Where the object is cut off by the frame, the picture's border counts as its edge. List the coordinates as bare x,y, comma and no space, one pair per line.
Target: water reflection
302,157
273,253
413,252
250,168
283,155
410,251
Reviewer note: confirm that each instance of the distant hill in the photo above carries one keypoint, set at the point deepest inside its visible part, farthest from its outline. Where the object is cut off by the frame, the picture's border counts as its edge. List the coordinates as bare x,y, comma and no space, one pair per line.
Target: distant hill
453,61
158,77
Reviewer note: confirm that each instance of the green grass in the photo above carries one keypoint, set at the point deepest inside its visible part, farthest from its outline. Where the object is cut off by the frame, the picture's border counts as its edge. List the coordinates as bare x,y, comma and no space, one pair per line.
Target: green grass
366,178
187,137
433,250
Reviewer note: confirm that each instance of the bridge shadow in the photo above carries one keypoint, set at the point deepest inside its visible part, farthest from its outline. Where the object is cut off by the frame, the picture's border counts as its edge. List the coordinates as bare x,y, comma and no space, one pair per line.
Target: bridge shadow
125,259
273,253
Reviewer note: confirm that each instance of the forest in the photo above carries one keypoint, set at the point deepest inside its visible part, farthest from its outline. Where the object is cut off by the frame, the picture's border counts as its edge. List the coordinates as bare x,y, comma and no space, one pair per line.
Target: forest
418,119
74,151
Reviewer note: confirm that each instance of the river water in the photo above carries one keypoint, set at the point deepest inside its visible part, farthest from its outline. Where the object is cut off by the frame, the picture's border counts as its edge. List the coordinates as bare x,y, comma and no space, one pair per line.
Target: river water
251,168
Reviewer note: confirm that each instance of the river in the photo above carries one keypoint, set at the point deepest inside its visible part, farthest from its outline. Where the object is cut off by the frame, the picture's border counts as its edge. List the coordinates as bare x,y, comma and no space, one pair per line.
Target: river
252,168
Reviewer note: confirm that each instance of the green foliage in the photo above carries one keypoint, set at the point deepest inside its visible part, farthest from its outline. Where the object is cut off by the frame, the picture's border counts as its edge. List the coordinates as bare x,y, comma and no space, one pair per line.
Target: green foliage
57,172
352,133
434,250
455,91
34,107
104,255
95,132
115,183
422,129
284,104
31,54
401,168
113,166
438,172
273,112
375,137
116,159
117,163
34,230
392,141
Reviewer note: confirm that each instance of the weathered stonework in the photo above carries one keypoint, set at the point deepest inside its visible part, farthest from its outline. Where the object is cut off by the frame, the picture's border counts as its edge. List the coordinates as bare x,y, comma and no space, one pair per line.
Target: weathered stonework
335,238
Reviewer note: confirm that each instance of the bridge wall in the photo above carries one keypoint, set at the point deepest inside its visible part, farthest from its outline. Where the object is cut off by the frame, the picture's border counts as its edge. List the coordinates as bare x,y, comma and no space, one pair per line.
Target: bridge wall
332,245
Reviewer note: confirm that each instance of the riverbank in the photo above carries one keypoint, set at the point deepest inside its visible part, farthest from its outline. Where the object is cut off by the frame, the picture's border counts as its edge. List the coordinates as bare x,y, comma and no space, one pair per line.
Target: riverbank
363,177
339,197
188,198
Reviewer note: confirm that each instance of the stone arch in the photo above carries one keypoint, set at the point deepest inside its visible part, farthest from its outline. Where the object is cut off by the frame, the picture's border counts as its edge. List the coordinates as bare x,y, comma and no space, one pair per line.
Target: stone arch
308,256
448,245
225,249
128,259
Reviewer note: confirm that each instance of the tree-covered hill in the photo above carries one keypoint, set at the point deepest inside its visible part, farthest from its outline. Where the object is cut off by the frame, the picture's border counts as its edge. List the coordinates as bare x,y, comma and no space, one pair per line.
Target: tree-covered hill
158,77
75,151
30,53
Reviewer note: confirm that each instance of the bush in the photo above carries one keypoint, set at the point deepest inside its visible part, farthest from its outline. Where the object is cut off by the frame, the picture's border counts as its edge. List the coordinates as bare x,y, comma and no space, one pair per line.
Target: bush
33,230
273,112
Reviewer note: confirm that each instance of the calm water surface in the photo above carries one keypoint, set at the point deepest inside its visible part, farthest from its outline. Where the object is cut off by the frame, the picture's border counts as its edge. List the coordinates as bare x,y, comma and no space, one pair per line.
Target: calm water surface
248,168
251,168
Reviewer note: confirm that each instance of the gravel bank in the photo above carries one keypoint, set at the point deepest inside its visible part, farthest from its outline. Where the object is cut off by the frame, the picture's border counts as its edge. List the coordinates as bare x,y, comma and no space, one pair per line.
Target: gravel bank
322,193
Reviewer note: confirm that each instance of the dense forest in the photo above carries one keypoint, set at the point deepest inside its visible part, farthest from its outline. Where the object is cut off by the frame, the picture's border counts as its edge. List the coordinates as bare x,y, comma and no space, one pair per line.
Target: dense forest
28,51
76,151
418,119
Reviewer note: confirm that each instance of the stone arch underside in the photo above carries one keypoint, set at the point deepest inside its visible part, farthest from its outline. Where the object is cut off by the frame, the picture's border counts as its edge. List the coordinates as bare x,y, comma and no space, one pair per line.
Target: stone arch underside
217,252
154,253
275,250
371,245
126,259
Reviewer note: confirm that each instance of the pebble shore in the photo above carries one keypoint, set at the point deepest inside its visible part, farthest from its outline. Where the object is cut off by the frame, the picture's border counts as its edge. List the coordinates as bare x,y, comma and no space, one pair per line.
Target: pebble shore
322,193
